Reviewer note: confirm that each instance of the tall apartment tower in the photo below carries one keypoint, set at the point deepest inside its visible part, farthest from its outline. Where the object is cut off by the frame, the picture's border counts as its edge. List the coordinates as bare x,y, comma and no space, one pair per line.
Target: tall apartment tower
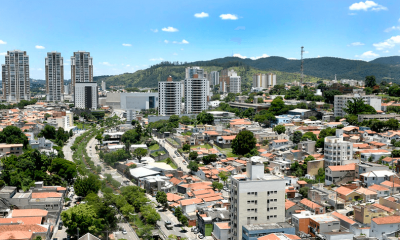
337,151
54,65
103,85
81,68
15,75
229,81
214,78
191,71
169,97
256,198
197,90
262,80
235,83
86,95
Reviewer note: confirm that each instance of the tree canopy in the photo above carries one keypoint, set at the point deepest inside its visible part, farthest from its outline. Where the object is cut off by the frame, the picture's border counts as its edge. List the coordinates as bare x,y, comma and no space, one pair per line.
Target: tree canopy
12,134
243,143
85,185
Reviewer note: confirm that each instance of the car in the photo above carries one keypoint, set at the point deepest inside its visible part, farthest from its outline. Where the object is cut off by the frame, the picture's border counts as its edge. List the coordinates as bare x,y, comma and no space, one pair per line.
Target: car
60,227
371,201
124,231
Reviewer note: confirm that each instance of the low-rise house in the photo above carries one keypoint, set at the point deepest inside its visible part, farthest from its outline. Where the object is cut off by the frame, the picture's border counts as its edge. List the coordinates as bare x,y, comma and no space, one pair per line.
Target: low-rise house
365,167
345,222
375,177
8,149
280,144
384,225
381,191
340,174
291,208
221,231
323,223
364,213
275,236
347,194
311,206
392,186
301,222
367,194
37,230
207,217
374,154
254,231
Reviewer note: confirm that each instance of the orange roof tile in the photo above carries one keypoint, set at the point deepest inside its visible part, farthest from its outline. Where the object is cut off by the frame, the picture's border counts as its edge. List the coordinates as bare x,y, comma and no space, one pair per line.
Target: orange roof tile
289,204
175,181
310,204
21,235
23,227
390,184
171,197
365,191
377,187
344,190
273,236
343,217
228,137
301,182
387,209
387,220
348,167
22,220
29,213
223,225
280,141
46,195
190,201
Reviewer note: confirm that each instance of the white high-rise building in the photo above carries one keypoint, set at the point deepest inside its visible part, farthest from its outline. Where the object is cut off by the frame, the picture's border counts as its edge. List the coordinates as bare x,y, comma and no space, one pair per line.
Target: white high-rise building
341,100
169,97
81,68
214,78
15,76
103,85
86,95
262,80
191,71
337,151
54,67
197,91
256,198
235,83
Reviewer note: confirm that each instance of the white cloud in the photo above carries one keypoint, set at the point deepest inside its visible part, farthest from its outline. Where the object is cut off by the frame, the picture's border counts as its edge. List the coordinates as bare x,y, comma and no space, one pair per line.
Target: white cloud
176,42
39,69
305,52
356,44
106,63
3,54
127,65
239,56
166,41
181,49
201,15
262,56
170,29
367,5
392,28
175,54
352,14
2,42
368,54
228,16
154,30
318,56
184,42
156,59
39,47
389,43
127,45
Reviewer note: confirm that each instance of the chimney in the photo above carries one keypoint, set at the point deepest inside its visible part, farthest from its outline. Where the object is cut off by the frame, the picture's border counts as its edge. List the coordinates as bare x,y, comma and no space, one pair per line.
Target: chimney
169,79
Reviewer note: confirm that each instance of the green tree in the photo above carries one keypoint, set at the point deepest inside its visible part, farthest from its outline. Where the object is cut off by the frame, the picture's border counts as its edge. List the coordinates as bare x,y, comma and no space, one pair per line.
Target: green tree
186,147
224,176
161,198
205,118
150,214
329,95
178,212
370,81
65,169
132,136
85,185
193,155
297,136
217,185
357,106
82,216
368,90
99,137
243,143
12,134
304,192
193,166
280,129
139,153
313,118
309,136
392,124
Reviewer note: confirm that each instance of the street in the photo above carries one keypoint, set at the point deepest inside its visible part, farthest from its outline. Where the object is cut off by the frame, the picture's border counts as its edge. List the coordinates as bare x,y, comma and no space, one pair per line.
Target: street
171,150
67,147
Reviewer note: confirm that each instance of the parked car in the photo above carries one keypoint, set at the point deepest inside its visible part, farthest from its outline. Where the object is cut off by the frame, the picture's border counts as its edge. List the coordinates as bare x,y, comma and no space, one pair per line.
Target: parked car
124,231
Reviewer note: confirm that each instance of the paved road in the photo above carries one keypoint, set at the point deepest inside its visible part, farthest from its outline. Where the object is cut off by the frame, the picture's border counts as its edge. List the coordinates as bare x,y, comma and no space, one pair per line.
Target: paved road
67,148
171,150
130,234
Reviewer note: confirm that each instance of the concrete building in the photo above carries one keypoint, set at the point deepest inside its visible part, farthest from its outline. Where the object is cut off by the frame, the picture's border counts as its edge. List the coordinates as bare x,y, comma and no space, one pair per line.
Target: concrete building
170,98
221,231
235,84
262,80
256,198
214,78
380,117
255,231
103,85
15,76
196,94
340,174
384,226
375,177
54,67
81,68
8,149
341,100
191,71
337,151
86,95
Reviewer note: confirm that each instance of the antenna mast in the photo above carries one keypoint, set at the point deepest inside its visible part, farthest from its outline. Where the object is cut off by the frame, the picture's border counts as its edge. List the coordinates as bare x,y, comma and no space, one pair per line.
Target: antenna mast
301,79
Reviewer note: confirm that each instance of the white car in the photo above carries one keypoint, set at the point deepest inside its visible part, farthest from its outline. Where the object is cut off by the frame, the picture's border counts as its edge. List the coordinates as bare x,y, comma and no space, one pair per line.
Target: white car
124,231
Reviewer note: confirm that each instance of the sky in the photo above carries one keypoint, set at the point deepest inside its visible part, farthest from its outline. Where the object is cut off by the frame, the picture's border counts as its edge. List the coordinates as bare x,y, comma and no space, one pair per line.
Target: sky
125,36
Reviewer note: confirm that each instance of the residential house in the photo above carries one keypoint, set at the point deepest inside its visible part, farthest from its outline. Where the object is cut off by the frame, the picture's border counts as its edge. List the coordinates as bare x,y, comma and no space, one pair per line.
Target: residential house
311,206
221,231
384,225
340,174
323,223
280,144
8,149
375,177
381,191
291,208
364,213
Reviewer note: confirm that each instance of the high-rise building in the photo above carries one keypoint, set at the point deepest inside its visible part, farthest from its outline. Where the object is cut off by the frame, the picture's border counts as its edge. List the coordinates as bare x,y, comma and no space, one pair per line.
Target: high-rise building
54,67
341,100
261,80
81,68
103,85
229,81
197,90
214,78
256,198
234,83
191,71
15,75
337,151
86,95
170,98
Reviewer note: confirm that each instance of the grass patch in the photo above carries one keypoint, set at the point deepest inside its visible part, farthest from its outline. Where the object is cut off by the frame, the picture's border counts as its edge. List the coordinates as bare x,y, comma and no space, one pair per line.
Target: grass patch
206,146
387,96
172,164
173,141
154,147
226,151
155,155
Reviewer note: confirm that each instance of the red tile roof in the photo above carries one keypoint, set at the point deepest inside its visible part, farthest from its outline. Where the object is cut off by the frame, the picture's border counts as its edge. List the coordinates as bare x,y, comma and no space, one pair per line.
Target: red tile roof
46,195
171,197
223,225
22,220
310,204
387,209
22,235
29,213
23,227
289,204
387,220
348,167
343,217
344,190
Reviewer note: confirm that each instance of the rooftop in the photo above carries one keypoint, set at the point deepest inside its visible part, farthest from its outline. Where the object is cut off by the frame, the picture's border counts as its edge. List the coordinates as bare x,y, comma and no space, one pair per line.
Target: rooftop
262,226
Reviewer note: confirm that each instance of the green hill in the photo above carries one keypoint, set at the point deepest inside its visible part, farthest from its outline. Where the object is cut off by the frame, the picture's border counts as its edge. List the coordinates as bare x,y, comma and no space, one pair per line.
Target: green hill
286,70
151,76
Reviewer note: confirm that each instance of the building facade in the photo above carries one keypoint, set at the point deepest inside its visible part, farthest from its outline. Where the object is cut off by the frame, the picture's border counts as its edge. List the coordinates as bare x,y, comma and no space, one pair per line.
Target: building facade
196,94
341,100
191,71
235,84
337,151
15,76
256,198
54,67
86,95
170,98
81,68
262,80
214,78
